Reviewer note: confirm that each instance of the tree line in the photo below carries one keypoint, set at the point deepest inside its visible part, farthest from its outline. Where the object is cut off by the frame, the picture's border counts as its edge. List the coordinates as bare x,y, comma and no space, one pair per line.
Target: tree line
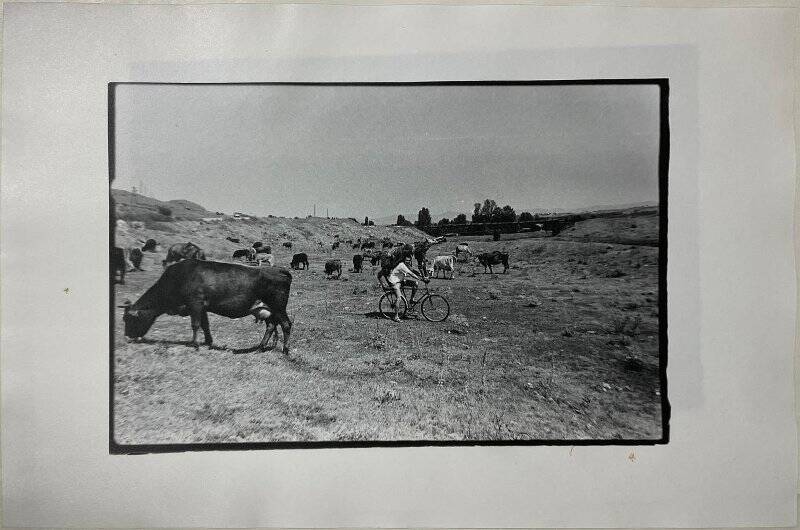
486,212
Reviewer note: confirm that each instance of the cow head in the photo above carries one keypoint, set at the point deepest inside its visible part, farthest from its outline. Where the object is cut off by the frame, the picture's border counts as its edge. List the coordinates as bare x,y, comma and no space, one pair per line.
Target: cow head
137,321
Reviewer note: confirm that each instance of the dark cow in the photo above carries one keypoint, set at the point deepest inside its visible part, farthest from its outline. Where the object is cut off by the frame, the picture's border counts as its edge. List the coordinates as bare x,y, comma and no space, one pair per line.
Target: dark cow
118,265
194,288
149,246
247,253
263,250
333,266
257,245
390,260
388,244
335,245
287,244
135,256
356,245
487,259
299,259
358,260
368,244
233,239
180,251
421,250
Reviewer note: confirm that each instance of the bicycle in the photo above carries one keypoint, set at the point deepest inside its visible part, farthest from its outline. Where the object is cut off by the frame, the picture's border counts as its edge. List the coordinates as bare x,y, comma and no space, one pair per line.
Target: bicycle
434,307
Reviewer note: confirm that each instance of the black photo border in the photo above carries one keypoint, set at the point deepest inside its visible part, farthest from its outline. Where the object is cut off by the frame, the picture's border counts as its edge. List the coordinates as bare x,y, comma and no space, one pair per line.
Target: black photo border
663,170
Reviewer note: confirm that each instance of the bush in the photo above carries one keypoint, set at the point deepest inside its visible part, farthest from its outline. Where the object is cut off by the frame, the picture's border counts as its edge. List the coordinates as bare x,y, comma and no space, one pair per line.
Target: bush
163,210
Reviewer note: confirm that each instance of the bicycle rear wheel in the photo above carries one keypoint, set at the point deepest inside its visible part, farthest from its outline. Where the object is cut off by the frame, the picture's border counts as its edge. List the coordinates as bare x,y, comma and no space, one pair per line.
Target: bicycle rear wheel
386,305
435,308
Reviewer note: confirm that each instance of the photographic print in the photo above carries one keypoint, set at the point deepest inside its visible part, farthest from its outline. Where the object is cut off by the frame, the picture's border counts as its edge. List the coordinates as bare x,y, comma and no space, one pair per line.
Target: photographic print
355,264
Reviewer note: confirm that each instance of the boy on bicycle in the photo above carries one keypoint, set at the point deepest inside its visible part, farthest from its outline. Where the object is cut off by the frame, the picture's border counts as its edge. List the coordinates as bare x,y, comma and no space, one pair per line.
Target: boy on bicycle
397,279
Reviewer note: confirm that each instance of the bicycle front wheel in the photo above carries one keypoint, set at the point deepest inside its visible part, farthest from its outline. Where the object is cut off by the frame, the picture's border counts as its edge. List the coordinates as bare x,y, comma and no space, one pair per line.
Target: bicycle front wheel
435,308
387,303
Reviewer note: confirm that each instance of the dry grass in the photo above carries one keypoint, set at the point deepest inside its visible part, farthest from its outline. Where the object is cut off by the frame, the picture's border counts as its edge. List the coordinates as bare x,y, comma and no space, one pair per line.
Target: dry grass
555,349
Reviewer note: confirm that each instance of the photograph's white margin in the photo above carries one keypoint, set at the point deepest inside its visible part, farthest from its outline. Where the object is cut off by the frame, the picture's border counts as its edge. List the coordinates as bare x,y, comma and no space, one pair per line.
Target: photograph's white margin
54,455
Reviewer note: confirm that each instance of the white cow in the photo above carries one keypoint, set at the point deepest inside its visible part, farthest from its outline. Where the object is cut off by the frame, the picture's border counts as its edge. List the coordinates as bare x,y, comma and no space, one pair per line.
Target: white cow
269,258
444,264
463,249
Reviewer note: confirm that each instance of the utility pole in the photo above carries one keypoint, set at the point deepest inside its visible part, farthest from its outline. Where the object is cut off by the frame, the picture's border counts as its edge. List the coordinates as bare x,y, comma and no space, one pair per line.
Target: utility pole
326,213
315,209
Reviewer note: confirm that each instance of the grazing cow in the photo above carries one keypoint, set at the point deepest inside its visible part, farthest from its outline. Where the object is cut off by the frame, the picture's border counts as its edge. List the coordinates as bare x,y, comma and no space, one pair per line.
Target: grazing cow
247,253
118,267
356,245
257,245
463,250
180,251
135,256
194,288
149,246
335,245
333,266
263,250
233,239
388,244
390,260
487,259
358,260
268,258
299,259
287,244
445,264
368,244
420,250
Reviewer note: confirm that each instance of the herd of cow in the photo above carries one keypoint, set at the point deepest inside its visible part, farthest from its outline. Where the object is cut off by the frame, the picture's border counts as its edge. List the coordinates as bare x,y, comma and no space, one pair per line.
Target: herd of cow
193,286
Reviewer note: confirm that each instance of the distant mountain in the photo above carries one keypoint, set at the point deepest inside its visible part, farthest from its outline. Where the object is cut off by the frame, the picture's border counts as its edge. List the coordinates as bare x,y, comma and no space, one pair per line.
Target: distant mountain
600,208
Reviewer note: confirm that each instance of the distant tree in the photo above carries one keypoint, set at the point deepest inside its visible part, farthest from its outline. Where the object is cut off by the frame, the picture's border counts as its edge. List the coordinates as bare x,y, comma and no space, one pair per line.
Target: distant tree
401,220
424,218
366,221
444,221
506,214
476,213
486,212
371,223
525,217
460,219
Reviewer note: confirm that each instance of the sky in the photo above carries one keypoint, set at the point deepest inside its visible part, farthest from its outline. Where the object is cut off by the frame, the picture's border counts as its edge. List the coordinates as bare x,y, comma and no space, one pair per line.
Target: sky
376,151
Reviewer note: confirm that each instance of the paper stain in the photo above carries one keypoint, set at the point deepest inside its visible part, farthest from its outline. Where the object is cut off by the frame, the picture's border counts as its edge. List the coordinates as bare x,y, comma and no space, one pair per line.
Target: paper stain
66,290
632,457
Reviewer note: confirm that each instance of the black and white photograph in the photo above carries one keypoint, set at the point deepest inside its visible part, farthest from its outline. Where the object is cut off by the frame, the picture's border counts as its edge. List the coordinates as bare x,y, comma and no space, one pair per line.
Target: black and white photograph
355,264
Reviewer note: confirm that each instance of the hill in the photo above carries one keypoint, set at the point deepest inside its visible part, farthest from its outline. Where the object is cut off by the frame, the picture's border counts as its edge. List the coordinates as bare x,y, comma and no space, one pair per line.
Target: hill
141,218
136,207
627,226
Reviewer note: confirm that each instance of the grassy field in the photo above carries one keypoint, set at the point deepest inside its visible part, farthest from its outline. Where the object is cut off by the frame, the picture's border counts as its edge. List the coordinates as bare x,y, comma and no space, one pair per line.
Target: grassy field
564,346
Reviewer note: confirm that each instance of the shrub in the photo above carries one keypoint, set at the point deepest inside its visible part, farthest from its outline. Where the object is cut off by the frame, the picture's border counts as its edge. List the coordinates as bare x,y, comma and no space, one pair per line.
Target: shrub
163,210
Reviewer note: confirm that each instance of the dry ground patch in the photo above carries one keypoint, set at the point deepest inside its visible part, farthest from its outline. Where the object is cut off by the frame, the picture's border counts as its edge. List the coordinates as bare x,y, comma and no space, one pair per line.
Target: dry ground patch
564,346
